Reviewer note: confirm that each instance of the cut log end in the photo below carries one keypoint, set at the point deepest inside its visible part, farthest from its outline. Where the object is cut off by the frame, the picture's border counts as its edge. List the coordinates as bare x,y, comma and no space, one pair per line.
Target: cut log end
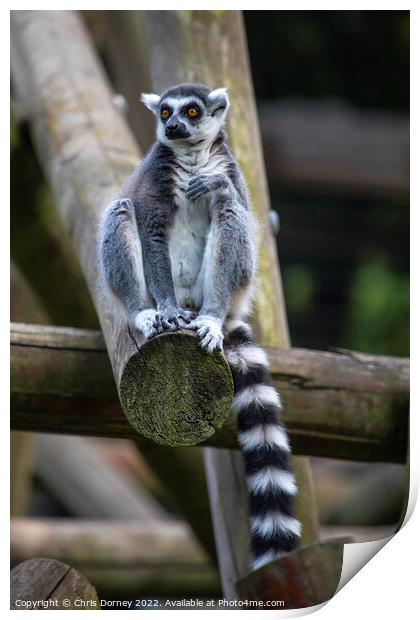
44,583
184,395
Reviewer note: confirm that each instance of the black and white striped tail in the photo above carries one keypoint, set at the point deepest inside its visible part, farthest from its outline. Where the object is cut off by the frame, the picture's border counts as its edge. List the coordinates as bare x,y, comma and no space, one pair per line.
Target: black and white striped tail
275,530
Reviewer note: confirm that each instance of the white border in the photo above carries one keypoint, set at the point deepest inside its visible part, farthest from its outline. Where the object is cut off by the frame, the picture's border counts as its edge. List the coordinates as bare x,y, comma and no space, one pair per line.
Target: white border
387,585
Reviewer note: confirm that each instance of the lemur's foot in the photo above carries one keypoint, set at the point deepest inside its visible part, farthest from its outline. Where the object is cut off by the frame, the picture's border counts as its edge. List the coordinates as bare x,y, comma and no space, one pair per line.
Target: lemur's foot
209,330
148,322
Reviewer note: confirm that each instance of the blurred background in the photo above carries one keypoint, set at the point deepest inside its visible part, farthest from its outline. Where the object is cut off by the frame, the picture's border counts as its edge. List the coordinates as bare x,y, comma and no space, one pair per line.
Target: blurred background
332,91
333,98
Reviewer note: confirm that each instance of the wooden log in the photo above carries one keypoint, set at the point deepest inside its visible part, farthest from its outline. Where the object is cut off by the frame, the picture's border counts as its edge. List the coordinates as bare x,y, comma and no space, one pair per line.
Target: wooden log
341,405
42,583
331,147
358,533
125,50
149,557
40,246
307,577
25,306
21,471
75,472
87,152
377,498
174,466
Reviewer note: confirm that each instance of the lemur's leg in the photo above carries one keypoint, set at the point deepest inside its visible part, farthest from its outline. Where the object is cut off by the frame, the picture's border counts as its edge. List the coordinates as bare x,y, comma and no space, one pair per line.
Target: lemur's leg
229,258
122,265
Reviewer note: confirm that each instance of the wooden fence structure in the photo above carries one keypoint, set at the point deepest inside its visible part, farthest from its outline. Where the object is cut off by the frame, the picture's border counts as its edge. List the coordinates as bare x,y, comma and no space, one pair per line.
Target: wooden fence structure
342,404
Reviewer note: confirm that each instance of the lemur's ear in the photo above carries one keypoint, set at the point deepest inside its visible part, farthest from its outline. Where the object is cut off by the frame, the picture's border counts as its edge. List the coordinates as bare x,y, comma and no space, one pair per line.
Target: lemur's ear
219,101
151,101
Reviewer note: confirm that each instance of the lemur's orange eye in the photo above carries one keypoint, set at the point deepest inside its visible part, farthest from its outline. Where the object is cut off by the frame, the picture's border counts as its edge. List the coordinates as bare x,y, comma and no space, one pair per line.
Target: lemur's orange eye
192,112
164,114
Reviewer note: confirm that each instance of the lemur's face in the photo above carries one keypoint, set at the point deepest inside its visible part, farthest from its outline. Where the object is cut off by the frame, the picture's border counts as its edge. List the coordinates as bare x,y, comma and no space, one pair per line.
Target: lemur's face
189,113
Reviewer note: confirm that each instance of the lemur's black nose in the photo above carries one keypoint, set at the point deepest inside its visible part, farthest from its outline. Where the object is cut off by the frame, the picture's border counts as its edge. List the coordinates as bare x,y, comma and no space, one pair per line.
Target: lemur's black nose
172,127
175,130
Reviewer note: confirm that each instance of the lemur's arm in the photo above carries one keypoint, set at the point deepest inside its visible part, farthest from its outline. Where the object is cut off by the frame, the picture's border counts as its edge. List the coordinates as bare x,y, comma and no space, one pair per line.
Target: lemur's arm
230,255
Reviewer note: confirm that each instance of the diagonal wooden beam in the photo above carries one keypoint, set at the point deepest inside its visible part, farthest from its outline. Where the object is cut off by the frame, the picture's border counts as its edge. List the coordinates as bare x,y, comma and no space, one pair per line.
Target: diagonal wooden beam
87,151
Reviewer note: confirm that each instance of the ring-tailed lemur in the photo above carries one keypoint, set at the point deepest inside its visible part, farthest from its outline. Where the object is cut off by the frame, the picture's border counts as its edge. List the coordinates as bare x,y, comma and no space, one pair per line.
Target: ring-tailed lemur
178,248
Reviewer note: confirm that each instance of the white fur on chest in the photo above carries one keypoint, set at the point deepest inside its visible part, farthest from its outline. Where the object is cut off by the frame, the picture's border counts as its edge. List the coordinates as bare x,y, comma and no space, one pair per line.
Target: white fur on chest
188,234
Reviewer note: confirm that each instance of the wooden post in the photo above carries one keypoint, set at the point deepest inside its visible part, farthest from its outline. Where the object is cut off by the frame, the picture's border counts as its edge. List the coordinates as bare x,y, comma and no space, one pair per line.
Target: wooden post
21,470
210,47
308,577
87,152
125,50
92,489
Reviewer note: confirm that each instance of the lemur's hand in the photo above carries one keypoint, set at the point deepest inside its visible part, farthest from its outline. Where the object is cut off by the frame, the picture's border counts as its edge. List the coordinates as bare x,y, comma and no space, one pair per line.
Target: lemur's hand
202,184
209,330
152,322
174,318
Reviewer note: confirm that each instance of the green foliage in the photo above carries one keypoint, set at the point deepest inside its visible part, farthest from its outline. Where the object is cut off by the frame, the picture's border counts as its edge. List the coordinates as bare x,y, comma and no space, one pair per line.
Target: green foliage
299,288
378,318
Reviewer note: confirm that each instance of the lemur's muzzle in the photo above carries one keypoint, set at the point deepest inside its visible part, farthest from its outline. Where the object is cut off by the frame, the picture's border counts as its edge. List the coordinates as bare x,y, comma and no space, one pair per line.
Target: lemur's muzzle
175,130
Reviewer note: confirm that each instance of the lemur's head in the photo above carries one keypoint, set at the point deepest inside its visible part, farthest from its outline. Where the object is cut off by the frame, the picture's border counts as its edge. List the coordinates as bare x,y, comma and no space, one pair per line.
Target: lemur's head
190,113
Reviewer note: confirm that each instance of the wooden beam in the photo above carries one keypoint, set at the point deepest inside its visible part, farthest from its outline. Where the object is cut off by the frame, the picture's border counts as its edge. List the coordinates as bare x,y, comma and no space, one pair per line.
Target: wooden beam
87,152
79,477
332,147
21,472
43,583
306,577
125,50
40,246
122,558
341,405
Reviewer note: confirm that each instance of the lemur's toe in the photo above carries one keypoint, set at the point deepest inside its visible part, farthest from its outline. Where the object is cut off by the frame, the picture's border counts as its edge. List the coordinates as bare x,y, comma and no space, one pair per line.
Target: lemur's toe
211,342
170,325
209,330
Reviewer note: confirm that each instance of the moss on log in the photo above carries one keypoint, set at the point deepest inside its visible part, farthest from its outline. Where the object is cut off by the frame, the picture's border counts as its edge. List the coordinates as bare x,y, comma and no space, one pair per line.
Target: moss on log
184,392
